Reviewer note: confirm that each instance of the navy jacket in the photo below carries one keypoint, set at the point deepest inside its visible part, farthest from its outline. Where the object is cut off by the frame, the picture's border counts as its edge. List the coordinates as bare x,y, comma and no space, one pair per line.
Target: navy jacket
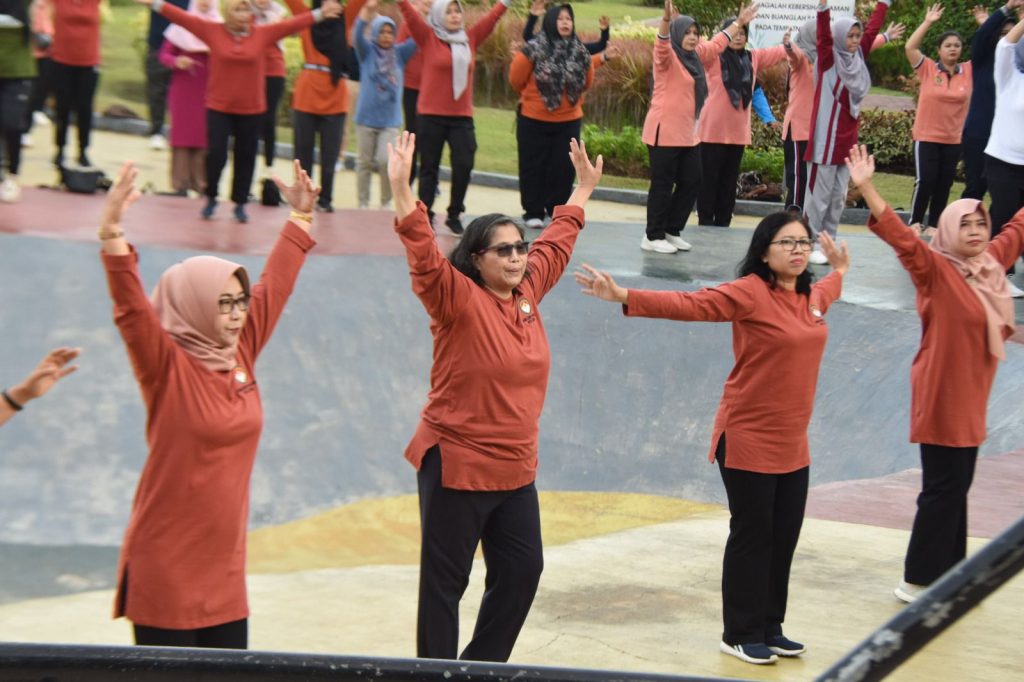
983,55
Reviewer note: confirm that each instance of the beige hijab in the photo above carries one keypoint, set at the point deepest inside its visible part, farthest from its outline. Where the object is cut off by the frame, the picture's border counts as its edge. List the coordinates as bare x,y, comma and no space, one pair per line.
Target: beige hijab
983,272
185,300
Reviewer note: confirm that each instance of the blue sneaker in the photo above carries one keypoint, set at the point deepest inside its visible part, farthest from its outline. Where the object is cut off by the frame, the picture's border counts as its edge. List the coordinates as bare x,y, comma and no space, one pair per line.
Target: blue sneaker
784,646
207,212
240,215
758,654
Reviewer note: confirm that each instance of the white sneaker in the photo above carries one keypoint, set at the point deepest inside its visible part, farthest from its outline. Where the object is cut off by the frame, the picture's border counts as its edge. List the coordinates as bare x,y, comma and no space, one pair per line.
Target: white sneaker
535,224
908,592
40,119
26,140
1015,291
157,142
657,245
678,242
9,190
818,257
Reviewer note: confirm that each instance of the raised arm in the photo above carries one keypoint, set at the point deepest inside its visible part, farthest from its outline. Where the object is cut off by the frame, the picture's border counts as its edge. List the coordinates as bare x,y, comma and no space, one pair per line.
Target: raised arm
710,50
415,23
767,57
1009,243
202,28
913,46
983,44
1005,70
271,33
362,43
441,288
297,7
874,27
824,40
601,43
48,372
537,10
913,252
482,29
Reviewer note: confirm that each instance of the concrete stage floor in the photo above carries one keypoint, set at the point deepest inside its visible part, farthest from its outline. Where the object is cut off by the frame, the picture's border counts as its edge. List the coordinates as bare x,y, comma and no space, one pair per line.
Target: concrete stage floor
633,517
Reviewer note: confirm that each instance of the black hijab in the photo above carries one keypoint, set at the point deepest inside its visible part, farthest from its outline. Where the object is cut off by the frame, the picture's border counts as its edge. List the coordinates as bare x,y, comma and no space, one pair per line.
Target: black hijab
689,59
737,73
330,40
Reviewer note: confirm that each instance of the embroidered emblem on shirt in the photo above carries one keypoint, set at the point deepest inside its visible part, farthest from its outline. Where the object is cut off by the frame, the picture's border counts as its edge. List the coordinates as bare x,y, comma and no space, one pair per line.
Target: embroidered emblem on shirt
525,306
816,311
240,375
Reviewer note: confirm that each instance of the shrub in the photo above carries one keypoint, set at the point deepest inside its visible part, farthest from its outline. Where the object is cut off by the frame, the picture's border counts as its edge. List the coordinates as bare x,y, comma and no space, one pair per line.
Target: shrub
624,152
887,135
889,67
768,163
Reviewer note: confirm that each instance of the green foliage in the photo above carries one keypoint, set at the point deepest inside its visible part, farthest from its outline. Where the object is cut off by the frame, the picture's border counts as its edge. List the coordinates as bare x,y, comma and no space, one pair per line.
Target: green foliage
768,163
956,17
708,13
624,152
889,67
888,135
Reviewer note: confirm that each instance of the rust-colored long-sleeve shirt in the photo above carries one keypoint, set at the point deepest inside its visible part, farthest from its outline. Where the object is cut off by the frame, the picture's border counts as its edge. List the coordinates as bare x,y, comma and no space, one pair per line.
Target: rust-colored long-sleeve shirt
778,338
952,374
491,358
182,564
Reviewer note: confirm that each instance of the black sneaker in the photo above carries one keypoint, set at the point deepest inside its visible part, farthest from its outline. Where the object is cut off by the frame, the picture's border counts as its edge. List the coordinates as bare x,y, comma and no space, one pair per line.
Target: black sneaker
758,654
454,224
240,215
207,212
784,646
324,208
83,161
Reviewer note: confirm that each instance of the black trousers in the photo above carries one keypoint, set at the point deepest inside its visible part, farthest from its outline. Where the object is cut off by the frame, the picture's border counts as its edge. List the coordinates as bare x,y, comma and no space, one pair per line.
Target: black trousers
796,171
1006,186
938,540
305,128
935,167
717,197
158,80
234,635
453,522
675,181
432,132
973,151
245,128
14,123
42,86
410,98
546,173
275,89
76,88
766,513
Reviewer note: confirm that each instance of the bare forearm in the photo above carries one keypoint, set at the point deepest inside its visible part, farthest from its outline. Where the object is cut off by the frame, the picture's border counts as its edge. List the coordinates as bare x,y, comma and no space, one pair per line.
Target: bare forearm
1015,33
873,199
913,46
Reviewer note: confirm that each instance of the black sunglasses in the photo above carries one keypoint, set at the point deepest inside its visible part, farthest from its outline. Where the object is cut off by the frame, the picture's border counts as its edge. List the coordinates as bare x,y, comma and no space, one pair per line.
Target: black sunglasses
505,250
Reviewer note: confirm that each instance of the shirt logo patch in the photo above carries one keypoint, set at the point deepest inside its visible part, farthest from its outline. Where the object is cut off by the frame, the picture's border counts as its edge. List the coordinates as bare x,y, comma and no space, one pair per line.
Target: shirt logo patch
240,375
816,311
525,306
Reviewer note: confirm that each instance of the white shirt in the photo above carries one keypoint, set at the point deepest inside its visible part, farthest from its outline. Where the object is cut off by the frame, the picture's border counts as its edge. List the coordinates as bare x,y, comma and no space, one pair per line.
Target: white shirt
1006,143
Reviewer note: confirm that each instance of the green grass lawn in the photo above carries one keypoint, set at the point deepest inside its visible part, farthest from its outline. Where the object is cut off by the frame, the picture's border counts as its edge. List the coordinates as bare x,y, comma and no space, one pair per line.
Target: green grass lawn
123,82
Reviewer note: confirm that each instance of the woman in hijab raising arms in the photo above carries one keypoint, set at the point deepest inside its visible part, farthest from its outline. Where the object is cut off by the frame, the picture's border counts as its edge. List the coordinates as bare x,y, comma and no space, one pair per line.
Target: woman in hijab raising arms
444,110
475,448
671,126
193,345
966,315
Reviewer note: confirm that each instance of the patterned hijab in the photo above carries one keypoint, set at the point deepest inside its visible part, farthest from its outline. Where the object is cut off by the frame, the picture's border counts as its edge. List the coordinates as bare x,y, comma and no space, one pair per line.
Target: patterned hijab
737,73
458,41
385,75
560,65
850,66
983,273
185,301
689,59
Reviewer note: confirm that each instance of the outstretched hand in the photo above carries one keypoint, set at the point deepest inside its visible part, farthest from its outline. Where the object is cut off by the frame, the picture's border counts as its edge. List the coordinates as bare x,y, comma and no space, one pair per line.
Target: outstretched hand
600,285
895,31
747,14
589,174
603,22
48,372
331,9
537,8
400,157
838,255
302,193
121,195
861,165
933,14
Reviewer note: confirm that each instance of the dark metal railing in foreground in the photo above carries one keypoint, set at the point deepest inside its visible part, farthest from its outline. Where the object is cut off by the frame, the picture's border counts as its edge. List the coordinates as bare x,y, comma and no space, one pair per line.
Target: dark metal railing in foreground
957,592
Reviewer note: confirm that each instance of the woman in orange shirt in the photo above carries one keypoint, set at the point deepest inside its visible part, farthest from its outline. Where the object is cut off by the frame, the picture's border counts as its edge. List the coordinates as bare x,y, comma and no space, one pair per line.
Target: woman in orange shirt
945,94
966,312
193,346
760,444
550,73
475,448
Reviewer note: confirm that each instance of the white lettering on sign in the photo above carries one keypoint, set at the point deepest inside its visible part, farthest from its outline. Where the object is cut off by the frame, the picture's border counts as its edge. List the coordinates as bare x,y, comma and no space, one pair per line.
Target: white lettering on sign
778,16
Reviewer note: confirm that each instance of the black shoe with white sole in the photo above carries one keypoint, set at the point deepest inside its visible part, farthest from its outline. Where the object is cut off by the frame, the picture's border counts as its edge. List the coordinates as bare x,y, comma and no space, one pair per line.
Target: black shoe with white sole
784,646
758,653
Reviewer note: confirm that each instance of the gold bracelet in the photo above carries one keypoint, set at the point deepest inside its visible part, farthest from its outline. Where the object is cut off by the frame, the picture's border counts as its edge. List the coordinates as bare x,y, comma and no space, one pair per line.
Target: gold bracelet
104,236
299,215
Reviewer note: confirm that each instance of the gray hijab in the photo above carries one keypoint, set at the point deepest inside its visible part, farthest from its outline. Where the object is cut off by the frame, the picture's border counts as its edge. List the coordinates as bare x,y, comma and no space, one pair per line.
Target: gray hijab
457,40
850,66
807,40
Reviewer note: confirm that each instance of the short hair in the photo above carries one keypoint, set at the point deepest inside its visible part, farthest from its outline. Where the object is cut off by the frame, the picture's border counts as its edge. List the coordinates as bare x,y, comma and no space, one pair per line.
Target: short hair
760,242
476,238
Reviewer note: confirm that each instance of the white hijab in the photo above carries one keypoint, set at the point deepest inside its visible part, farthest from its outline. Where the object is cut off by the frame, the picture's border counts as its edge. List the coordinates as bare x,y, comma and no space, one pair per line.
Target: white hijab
457,40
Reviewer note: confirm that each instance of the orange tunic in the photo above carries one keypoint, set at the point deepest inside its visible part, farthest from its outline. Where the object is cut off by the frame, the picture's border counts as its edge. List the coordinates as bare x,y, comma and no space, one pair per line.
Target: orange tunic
531,104
721,122
491,358
952,374
182,564
313,92
778,338
942,103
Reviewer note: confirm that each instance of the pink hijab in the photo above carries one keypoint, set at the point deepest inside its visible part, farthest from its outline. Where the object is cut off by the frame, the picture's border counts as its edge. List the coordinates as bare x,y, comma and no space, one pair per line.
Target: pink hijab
185,300
983,272
185,40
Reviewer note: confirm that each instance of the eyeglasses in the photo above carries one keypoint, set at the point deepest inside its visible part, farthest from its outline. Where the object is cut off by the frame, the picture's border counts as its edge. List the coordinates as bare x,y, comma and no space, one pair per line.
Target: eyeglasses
505,250
226,304
790,244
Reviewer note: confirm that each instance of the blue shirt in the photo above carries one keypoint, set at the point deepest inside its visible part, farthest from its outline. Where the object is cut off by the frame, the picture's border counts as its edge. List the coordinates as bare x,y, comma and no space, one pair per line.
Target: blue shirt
377,107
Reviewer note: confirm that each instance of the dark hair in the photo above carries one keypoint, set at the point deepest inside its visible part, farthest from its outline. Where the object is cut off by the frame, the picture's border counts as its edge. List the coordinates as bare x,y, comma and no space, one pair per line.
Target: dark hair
243,279
947,34
753,262
476,238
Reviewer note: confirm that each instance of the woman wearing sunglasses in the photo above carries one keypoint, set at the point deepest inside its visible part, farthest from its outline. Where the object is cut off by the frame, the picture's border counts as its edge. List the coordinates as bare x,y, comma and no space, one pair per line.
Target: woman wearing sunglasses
759,439
193,345
475,448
